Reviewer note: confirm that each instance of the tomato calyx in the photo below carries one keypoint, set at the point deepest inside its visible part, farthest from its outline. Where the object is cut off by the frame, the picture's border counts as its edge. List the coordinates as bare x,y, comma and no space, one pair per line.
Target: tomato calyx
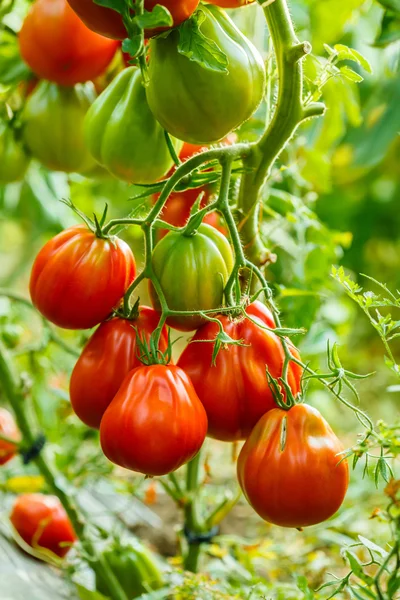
128,313
149,352
95,225
282,392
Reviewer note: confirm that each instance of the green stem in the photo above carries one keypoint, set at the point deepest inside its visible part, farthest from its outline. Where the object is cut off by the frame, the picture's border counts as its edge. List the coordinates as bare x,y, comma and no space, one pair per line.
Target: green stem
15,395
193,520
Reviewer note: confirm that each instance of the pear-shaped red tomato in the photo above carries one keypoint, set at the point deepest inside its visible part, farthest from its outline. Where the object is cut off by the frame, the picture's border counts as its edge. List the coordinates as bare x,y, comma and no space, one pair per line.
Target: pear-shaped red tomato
235,391
9,429
78,278
156,423
107,358
291,469
42,522
57,46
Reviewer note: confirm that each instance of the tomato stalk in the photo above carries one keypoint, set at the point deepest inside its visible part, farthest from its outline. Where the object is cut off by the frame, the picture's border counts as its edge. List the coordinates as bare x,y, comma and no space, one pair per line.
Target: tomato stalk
13,389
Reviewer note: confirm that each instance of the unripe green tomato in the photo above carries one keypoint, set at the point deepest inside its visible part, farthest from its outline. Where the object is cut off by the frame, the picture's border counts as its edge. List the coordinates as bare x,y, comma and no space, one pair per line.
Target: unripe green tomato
198,105
193,272
123,135
13,158
53,119
135,568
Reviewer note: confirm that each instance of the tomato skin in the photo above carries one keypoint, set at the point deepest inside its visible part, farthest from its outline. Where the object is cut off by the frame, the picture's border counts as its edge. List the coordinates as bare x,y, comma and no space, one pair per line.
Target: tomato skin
192,271
230,3
14,160
105,361
109,23
135,568
58,47
201,106
33,513
8,428
299,482
234,403
118,116
53,126
77,278
156,423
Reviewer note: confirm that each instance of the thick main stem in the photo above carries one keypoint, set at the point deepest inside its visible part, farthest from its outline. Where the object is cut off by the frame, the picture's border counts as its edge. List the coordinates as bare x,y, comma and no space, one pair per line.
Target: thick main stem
193,521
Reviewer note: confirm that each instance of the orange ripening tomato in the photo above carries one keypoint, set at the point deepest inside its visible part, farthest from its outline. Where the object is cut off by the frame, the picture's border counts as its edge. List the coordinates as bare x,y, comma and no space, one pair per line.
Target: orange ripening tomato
107,358
57,46
42,522
235,392
230,3
291,469
156,423
108,22
77,279
9,429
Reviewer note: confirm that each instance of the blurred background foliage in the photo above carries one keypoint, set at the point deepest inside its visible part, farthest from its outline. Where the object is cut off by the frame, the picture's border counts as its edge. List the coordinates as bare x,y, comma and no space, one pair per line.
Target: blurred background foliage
333,199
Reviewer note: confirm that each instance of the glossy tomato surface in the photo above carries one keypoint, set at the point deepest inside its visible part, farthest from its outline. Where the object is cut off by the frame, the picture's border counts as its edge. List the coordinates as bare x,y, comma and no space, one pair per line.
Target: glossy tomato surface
9,429
193,271
77,279
291,469
105,361
109,23
42,522
155,423
58,46
235,391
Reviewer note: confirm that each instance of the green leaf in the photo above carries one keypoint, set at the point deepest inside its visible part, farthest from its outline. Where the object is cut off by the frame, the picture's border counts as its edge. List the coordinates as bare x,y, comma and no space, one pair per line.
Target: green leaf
390,30
12,68
358,568
372,546
158,17
132,45
85,594
346,53
393,5
351,75
117,5
198,48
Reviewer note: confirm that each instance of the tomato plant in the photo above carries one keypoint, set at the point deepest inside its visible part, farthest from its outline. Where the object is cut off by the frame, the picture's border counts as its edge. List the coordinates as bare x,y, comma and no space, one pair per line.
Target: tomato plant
52,121
203,261
235,404
107,358
118,116
109,23
42,522
230,3
77,278
201,106
14,159
156,423
291,468
9,429
57,46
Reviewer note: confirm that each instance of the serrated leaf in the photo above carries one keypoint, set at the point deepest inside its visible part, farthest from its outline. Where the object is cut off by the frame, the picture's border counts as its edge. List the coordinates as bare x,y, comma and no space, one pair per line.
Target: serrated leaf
346,53
200,49
158,17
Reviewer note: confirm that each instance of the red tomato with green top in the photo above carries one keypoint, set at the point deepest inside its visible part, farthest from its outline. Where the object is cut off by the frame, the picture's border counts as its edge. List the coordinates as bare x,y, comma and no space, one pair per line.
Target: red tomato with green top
156,423
42,522
109,23
9,429
77,278
291,468
107,358
58,47
235,391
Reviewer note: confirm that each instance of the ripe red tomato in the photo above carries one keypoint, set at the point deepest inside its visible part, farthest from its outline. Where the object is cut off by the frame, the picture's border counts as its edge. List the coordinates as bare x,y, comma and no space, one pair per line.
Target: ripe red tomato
155,423
42,521
107,358
109,23
289,469
57,46
230,3
77,278
9,429
235,392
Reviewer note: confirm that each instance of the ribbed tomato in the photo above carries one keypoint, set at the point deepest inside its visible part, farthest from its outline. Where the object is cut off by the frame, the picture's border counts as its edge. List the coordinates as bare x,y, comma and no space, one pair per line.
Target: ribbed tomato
156,423
42,522
57,46
291,469
77,278
235,392
9,429
109,23
107,358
